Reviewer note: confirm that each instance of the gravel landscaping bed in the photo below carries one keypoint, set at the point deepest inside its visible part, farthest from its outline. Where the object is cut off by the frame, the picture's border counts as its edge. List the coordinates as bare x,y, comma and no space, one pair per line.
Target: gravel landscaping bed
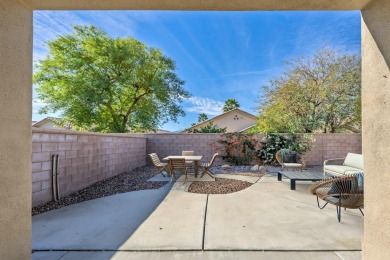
125,182
246,170
219,186
137,180
236,170
225,186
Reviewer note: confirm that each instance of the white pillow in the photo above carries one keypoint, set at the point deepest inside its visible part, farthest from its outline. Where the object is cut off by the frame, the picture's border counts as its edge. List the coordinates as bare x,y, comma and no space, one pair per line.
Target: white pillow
354,160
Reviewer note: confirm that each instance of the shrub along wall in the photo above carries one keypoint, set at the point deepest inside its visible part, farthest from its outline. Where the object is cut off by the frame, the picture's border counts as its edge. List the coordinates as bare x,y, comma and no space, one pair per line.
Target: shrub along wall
325,146
84,159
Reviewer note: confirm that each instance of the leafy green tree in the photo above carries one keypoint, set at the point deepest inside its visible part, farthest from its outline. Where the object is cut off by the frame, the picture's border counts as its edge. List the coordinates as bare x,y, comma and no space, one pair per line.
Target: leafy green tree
209,128
106,84
230,104
320,93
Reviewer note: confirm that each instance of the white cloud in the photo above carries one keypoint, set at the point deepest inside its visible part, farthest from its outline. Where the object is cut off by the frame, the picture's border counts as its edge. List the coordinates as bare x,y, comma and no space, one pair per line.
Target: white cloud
36,105
247,73
38,102
48,25
204,105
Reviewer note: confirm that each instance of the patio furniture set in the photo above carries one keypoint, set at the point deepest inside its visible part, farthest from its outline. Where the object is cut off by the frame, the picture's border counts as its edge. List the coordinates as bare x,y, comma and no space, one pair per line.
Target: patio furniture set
183,163
344,187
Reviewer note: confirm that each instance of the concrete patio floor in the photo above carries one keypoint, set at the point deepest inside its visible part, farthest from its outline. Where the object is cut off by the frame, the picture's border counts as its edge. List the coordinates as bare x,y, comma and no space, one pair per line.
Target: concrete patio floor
267,216
270,216
195,255
100,224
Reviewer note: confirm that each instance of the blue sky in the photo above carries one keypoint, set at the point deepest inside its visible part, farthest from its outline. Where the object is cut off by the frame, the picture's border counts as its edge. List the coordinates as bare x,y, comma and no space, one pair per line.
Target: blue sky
220,55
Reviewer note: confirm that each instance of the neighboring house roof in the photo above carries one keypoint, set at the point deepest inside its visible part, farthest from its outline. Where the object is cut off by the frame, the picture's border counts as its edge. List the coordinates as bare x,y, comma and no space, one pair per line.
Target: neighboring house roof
45,121
55,121
161,131
236,110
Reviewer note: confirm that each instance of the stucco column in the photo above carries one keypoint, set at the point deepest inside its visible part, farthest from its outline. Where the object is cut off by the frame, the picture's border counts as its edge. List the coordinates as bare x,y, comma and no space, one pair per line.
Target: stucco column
15,129
376,128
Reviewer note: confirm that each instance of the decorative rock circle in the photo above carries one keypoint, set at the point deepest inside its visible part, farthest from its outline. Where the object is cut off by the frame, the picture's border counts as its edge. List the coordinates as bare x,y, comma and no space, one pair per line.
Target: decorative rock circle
219,186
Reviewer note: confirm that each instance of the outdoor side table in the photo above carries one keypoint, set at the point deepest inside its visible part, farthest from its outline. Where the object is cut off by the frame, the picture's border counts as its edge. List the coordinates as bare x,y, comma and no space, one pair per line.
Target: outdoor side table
300,176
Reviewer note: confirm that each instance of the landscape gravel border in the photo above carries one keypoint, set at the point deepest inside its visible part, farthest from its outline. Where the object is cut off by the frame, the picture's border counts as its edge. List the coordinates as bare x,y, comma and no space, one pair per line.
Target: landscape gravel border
137,180
125,182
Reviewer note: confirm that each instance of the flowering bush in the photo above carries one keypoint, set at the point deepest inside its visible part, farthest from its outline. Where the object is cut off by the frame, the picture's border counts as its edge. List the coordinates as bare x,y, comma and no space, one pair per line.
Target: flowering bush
276,142
236,148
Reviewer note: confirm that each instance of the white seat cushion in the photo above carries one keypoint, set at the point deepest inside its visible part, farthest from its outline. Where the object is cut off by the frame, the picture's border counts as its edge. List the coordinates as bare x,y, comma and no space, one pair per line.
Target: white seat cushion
342,169
293,165
353,171
354,160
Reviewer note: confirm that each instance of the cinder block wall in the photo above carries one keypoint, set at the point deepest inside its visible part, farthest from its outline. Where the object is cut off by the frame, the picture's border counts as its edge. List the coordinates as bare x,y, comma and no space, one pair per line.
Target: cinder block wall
325,146
173,144
89,157
84,159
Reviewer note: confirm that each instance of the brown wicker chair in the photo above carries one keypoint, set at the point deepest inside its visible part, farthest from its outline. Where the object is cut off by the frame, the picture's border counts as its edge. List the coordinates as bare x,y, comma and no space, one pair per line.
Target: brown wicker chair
161,167
178,165
343,192
207,166
299,165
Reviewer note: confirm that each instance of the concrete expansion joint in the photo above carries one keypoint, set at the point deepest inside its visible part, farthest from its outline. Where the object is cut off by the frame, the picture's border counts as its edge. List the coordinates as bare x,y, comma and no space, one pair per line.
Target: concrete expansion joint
63,255
204,223
193,250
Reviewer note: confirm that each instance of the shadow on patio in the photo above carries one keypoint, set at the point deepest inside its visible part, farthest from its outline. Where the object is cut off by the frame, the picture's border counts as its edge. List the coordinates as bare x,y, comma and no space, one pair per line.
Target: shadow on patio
266,216
100,224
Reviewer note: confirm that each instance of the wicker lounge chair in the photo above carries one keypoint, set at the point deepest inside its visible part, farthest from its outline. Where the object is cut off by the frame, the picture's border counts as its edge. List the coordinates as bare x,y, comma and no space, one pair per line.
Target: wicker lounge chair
178,165
161,167
343,192
300,164
207,166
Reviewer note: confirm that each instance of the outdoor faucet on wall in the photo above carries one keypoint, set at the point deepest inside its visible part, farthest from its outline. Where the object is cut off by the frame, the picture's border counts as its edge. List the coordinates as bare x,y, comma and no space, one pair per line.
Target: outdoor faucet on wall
55,176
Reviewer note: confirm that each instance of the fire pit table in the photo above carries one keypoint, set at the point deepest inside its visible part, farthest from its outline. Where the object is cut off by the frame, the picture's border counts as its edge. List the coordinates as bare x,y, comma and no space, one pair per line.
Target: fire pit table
300,176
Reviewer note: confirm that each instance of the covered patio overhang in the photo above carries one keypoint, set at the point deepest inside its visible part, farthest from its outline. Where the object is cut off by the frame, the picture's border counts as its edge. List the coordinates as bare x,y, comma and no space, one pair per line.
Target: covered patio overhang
230,5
